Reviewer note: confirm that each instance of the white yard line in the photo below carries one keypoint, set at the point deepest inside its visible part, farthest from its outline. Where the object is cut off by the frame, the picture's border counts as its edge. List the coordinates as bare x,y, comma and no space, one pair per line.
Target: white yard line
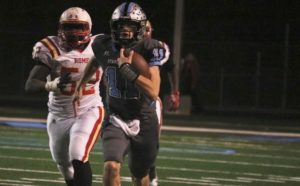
231,162
13,181
28,170
241,177
124,179
14,184
183,129
209,181
165,157
43,180
230,131
160,157
23,119
201,181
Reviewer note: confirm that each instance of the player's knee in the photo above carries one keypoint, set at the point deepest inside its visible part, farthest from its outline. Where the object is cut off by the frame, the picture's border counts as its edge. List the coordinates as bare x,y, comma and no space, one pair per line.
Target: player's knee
77,146
139,173
112,168
140,169
66,170
76,155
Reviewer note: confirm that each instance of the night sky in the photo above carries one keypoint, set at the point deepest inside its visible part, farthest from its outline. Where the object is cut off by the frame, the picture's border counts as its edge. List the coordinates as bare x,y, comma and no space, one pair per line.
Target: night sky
228,37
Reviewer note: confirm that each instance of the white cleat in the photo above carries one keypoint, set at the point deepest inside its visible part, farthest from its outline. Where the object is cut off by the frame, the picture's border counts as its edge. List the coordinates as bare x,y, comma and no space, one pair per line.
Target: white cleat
154,182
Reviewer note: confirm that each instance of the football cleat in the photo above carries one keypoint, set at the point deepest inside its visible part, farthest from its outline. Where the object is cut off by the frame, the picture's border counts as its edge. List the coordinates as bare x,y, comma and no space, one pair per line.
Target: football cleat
154,182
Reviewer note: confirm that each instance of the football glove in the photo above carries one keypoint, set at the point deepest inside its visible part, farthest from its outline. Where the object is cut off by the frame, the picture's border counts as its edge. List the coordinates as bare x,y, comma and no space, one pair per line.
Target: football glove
173,101
58,84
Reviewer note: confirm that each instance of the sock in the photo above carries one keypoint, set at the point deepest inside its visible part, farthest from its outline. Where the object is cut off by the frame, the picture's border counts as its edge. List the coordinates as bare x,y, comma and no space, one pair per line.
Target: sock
70,182
82,173
152,173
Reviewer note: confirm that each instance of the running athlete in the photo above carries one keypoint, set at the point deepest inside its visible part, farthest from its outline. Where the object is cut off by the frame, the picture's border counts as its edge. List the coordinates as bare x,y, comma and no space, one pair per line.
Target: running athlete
132,126
169,67
60,62
173,98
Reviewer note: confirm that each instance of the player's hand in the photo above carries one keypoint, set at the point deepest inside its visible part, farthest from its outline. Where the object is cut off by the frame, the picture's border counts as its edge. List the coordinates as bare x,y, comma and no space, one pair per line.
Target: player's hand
173,101
123,59
63,81
58,84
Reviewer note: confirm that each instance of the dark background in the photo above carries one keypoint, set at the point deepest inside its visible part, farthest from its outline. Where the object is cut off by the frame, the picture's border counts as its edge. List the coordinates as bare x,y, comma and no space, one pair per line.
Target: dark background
241,46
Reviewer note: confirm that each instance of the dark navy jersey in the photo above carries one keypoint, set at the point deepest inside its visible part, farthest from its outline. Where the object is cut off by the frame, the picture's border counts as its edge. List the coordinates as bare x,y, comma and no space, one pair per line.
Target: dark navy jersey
124,98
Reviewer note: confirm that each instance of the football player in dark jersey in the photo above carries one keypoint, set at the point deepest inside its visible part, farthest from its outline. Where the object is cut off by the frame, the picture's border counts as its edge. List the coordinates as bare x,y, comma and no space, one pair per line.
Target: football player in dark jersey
173,99
169,67
132,123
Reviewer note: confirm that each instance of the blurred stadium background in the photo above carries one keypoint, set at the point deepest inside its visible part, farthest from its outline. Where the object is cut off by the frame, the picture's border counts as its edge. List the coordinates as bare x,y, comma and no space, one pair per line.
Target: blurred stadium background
248,51
248,54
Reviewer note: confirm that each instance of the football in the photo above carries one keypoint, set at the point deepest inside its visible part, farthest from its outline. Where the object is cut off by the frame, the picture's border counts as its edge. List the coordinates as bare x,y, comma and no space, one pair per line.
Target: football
139,64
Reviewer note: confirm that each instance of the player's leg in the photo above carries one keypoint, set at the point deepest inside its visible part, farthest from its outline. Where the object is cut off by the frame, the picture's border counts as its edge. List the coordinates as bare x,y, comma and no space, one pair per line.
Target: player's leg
152,172
58,132
143,151
111,173
82,173
115,145
83,136
153,176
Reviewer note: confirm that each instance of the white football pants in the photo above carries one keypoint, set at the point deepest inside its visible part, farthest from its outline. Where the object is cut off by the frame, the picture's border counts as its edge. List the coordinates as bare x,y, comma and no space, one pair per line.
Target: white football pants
73,138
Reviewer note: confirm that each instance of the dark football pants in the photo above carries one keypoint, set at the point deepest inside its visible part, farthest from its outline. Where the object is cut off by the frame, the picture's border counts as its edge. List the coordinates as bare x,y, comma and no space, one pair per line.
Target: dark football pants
142,149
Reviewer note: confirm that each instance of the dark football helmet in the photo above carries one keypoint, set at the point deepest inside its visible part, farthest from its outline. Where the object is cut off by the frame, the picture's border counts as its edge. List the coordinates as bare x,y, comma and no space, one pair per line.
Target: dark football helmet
75,27
128,23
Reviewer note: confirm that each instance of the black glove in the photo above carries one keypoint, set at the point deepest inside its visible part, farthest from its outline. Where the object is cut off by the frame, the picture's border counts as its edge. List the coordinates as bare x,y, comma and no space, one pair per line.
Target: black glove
63,80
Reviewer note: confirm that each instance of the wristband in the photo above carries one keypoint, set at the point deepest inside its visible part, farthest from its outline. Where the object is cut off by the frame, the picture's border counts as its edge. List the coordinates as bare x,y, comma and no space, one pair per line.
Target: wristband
128,72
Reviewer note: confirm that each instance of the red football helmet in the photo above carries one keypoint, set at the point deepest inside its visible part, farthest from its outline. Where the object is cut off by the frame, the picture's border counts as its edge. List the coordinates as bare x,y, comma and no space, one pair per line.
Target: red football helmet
75,27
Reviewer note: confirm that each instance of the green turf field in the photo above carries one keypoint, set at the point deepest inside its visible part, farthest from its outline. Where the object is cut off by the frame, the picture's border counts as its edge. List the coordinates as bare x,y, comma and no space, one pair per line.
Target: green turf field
186,158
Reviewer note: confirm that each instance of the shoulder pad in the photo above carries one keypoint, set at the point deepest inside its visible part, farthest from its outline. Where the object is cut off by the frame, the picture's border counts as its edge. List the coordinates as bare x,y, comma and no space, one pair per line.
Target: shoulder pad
48,46
154,51
150,43
100,42
101,38
45,50
95,36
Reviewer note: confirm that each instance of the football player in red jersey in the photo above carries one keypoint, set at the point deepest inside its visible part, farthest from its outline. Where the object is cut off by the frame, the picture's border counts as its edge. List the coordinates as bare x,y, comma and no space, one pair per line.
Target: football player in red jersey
173,98
133,123
60,62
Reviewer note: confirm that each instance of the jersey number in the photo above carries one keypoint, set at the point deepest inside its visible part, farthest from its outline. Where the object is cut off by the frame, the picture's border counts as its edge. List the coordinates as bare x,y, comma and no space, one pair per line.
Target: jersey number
130,91
85,90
